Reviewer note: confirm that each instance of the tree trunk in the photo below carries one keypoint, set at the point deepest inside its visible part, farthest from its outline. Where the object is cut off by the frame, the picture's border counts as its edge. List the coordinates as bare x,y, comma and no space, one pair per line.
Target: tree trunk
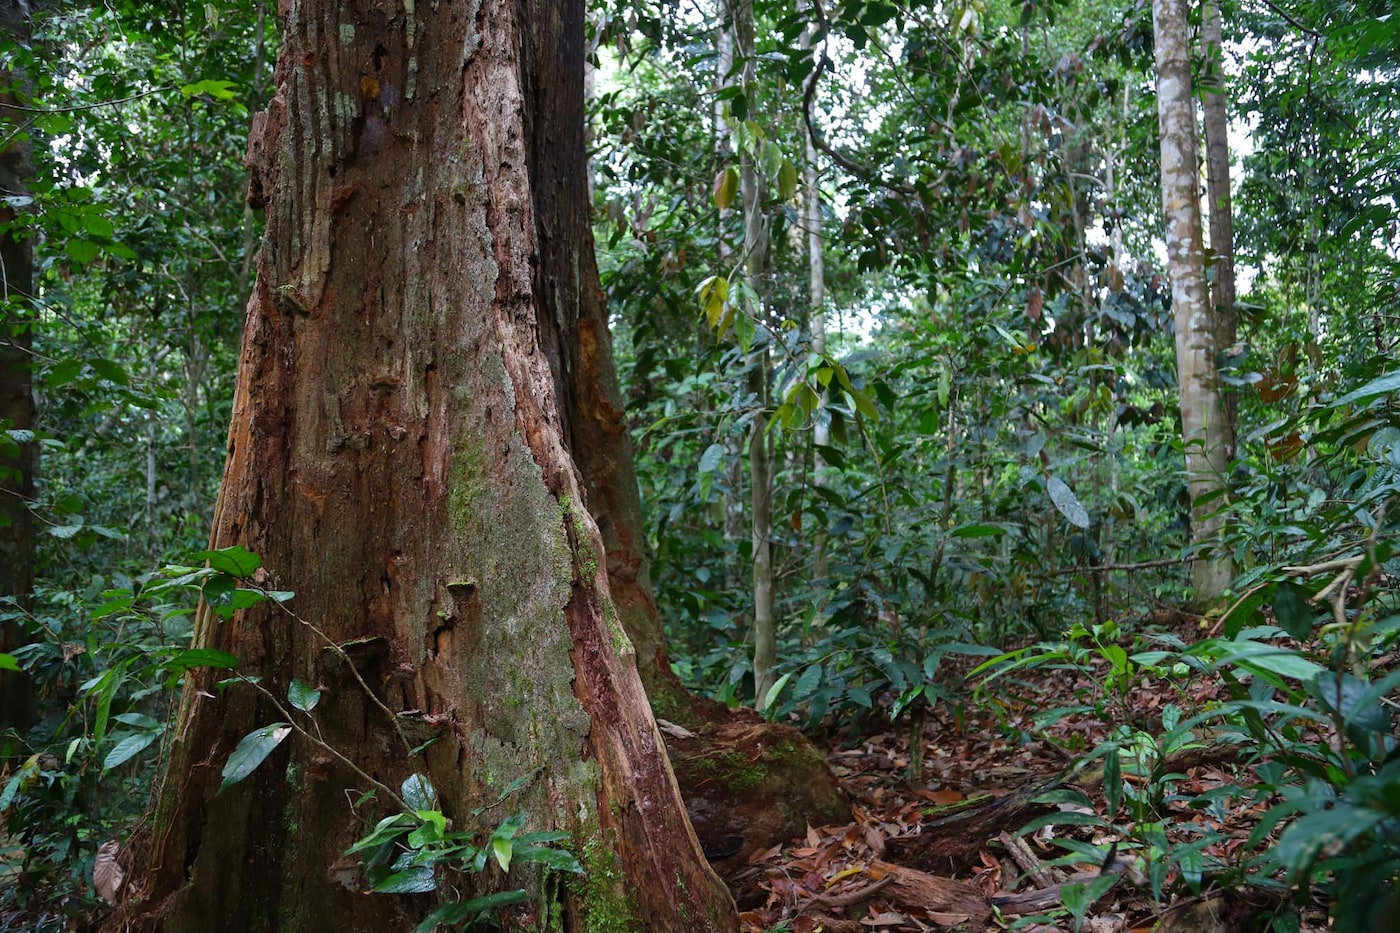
1202,414
19,457
760,465
1221,212
398,458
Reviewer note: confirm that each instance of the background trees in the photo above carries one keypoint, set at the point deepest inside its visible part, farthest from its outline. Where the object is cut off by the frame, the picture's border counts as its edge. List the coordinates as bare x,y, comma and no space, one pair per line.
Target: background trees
977,444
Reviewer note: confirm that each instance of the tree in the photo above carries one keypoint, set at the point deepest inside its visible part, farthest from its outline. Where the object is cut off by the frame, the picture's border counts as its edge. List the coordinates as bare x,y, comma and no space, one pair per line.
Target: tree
1222,218
18,452
399,460
1203,422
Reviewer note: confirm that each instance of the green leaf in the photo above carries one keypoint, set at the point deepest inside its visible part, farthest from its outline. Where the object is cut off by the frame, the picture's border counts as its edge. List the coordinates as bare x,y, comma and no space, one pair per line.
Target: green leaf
556,859
234,561
418,792
418,880
787,180
8,662
139,721
774,690
110,371
81,251
1381,385
201,657
807,684
1067,502
502,847
225,597
450,915
303,696
219,90
711,458
977,531
131,745
252,750
1295,616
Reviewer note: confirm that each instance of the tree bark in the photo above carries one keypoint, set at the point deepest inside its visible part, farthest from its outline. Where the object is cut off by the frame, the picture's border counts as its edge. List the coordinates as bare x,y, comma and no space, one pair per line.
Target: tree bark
1221,212
398,458
19,458
1202,413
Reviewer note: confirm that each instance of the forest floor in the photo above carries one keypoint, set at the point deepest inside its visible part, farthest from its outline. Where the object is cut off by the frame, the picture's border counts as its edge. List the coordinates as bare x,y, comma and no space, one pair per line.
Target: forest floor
947,851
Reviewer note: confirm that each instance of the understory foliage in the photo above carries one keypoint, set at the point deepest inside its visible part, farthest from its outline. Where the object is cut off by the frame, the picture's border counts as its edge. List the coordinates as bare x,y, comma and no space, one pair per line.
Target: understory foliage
997,483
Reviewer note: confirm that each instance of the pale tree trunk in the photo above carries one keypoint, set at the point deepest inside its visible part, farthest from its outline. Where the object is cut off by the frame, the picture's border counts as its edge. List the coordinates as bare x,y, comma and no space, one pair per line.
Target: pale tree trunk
1202,414
19,459
1221,212
816,299
399,459
765,649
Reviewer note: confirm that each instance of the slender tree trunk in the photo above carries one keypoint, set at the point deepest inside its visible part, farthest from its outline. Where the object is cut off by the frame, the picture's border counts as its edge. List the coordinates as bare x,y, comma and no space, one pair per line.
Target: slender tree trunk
1202,412
760,465
816,300
1221,212
399,459
19,454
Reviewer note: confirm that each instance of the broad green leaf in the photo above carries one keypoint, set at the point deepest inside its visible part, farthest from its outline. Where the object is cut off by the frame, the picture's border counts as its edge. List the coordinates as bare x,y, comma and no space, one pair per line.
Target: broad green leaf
418,880
225,597
807,684
235,561
451,915
711,458
502,847
131,745
139,721
8,662
557,859
219,90
977,531
110,371
774,690
1295,616
418,792
302,695
252,751
787,180
201,657
1067,502
1381,385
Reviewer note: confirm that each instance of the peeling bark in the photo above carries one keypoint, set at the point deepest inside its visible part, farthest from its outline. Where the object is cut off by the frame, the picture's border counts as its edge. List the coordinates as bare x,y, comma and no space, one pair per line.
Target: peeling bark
398,458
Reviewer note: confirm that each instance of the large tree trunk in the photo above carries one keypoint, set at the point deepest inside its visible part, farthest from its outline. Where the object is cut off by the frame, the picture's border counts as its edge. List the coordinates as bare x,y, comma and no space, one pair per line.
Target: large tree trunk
1203,420
18,456
398,458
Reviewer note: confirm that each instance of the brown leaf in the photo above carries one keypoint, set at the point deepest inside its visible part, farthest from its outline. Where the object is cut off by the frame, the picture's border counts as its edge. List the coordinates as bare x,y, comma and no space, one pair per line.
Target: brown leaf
107,875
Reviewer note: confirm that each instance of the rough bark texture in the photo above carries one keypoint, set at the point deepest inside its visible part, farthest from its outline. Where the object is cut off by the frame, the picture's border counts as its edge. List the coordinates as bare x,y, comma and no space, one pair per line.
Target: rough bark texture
1202,414
398,459
18,461
1221,212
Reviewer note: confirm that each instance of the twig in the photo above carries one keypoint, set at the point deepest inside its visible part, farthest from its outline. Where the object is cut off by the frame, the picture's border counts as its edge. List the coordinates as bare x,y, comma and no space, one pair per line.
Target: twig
1105,568
849,899
1308,30
77,107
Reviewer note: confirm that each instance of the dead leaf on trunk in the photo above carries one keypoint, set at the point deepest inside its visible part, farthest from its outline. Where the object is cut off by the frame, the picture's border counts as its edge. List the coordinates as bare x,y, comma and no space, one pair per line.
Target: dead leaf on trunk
107,875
